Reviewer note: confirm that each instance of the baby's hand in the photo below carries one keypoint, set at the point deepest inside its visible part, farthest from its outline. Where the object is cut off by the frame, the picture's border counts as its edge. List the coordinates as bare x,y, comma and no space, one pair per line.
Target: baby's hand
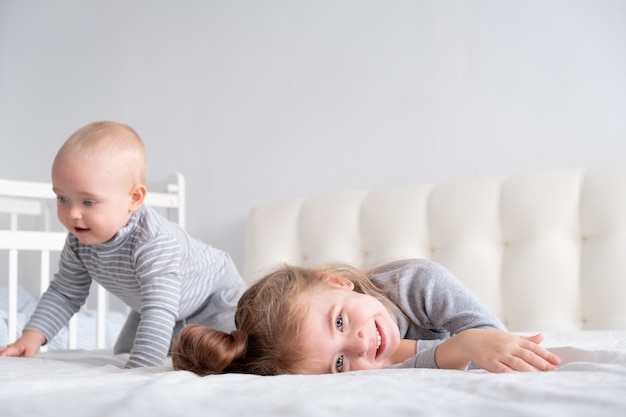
496,351
28,345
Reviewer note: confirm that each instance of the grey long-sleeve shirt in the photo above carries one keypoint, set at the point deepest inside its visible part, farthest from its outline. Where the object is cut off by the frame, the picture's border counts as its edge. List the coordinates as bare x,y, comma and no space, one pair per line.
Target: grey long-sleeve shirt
435,305
156,269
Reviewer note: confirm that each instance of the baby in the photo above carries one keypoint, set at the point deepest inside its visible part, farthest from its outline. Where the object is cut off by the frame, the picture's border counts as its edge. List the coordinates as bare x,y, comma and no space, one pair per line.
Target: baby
165,276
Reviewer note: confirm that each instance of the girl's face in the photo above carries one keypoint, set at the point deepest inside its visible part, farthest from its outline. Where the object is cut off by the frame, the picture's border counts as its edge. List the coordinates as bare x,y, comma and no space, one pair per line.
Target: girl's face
346,330
94,200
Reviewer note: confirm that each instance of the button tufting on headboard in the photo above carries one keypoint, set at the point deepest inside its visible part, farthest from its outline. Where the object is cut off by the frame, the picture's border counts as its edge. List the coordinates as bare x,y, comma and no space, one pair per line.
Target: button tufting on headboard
542,249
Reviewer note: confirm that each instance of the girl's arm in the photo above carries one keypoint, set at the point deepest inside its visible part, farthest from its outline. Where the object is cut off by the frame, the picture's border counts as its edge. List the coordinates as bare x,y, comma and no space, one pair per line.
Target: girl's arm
406,350
495,351
434,301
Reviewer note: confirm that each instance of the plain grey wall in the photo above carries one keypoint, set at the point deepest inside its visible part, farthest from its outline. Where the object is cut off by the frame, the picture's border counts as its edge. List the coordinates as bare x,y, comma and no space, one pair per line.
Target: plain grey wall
260,100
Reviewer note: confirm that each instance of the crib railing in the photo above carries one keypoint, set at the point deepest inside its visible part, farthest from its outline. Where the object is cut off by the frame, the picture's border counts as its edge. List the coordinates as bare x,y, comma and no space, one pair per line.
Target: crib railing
15,241
20,199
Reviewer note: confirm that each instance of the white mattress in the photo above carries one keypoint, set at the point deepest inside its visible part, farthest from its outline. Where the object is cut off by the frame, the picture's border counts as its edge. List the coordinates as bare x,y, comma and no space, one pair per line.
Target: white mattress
590,382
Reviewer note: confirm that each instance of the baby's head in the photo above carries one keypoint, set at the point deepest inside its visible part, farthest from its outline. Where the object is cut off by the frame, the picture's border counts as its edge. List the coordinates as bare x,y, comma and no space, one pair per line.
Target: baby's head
273,322
99,177
115,144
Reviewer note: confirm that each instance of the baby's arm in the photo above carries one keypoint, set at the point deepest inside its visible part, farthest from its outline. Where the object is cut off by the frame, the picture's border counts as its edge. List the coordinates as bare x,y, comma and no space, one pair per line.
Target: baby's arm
27,345
495,351
152,339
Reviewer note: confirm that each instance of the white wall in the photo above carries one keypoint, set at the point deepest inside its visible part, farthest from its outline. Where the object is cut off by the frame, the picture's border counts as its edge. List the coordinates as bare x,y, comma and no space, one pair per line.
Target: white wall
259,100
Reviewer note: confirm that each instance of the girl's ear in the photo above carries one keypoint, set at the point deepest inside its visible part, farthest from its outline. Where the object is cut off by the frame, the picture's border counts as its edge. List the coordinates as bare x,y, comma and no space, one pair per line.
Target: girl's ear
137,195
338,281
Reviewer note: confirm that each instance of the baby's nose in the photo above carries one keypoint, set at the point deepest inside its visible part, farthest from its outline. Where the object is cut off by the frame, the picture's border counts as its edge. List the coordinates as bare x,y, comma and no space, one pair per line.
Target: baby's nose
75,213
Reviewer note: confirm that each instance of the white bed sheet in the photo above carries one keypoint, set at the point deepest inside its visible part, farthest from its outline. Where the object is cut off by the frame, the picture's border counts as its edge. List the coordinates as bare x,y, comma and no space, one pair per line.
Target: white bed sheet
590,382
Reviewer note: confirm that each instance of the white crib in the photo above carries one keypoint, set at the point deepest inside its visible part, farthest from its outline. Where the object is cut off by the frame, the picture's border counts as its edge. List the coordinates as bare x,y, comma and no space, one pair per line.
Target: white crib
29,224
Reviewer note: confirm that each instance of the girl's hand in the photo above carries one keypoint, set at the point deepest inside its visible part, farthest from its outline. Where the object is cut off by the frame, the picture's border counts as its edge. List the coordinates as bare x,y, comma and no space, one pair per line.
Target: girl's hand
27,345
495,351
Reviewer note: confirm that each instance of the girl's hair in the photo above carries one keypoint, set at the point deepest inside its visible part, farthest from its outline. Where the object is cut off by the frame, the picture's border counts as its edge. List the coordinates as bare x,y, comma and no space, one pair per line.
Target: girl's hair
269,320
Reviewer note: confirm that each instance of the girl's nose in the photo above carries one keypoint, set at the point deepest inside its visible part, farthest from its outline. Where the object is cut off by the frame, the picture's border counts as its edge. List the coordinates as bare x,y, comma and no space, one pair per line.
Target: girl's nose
360,343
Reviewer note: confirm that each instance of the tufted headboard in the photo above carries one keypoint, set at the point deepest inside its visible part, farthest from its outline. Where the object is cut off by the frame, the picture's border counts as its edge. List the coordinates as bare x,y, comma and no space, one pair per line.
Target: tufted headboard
545,250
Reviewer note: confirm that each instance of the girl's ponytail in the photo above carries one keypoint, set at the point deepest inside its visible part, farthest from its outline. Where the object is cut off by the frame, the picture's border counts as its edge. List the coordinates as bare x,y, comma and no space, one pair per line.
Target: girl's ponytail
207,351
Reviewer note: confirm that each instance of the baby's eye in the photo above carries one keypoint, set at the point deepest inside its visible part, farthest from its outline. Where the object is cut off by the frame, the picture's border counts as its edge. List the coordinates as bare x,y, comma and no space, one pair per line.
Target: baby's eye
61,199
339,323
339,364
89,203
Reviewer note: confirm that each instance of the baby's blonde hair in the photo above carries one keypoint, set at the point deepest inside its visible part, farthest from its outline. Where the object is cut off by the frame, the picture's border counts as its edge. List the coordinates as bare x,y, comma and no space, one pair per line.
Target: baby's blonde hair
112,140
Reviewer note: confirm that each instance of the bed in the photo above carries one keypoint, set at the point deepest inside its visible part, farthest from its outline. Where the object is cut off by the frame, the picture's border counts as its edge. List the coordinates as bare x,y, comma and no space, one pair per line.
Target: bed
545,250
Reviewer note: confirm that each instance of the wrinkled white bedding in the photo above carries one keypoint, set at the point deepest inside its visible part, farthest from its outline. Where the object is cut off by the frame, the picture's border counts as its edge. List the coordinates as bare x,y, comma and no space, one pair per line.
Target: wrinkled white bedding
590,382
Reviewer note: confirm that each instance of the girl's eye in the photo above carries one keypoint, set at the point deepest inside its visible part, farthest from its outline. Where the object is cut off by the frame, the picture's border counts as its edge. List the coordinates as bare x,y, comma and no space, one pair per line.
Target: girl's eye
89,203
339,364
339,323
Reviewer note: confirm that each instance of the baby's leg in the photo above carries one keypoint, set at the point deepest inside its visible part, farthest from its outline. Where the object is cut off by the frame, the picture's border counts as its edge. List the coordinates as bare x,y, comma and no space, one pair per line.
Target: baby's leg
126,339
219,309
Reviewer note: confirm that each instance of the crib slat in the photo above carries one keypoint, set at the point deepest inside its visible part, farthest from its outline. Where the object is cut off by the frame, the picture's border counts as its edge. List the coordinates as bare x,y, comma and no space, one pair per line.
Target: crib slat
44,278
19,207
102,309
72,337
44,275
30,240
12,322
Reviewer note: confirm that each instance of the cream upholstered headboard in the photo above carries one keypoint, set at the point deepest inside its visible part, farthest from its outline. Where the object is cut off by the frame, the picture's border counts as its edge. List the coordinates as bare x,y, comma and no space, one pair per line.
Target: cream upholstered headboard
545,250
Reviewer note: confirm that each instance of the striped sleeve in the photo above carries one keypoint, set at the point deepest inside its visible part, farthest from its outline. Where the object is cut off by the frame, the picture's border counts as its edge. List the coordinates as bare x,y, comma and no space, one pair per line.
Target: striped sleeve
65,295
158,265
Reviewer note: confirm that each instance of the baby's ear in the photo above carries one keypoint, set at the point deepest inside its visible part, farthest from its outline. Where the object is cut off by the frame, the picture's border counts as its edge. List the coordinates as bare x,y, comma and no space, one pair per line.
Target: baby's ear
338,281
138,194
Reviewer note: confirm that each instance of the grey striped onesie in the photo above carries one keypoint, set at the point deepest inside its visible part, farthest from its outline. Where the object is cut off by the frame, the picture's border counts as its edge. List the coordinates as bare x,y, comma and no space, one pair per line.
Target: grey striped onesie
164,275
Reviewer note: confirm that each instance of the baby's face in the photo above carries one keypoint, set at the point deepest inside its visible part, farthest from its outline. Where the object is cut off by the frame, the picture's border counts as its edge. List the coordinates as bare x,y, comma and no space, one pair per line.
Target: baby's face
346,331
93,198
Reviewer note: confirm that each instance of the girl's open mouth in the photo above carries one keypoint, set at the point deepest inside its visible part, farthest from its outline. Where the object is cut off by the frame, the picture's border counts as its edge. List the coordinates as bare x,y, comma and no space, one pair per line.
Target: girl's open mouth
381,341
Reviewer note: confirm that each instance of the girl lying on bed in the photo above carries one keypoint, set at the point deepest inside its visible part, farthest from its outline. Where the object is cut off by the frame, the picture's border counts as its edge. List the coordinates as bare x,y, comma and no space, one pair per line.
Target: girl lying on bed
411,313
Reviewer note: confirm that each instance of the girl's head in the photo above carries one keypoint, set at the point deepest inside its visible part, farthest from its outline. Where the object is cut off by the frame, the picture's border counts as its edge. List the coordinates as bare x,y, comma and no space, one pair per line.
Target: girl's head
298,321
98,176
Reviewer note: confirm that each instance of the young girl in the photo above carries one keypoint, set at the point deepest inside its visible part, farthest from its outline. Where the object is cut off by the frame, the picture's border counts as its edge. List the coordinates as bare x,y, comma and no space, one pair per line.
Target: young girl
411,313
